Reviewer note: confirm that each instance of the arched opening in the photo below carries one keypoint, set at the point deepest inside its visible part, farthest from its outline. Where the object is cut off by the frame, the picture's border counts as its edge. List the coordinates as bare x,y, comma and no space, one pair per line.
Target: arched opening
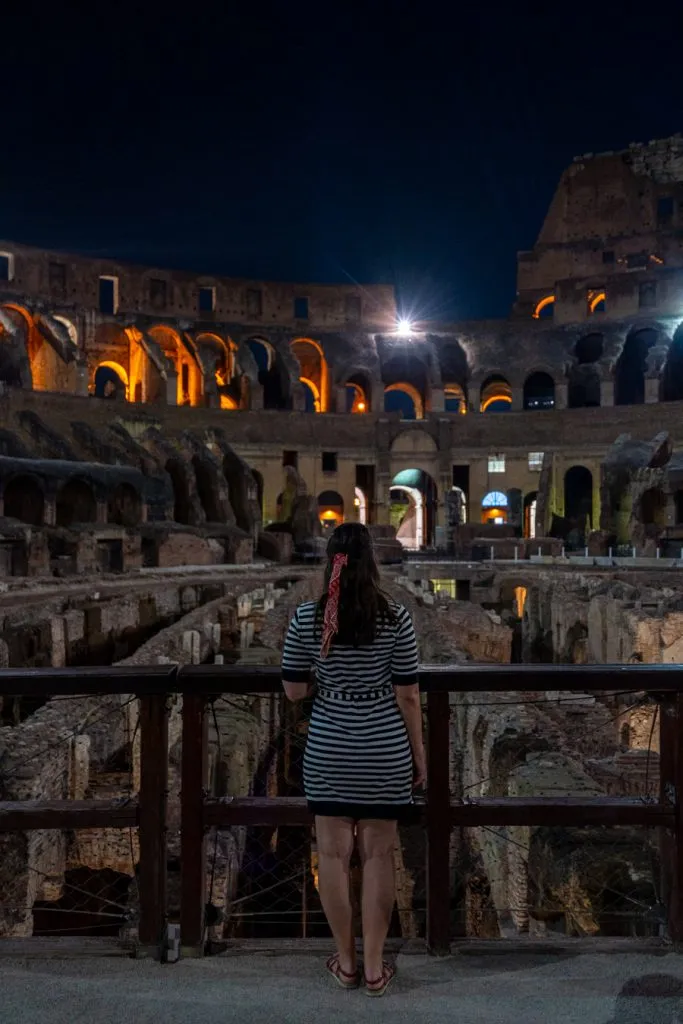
111,381
629,374
495,395
357,390
311,395
456,501
544,308
578,504
360,503
181,491
24,500
222,355
76,503
405,385
314,374
653,508
49,371
672,377
189,387
412,508
494,508
124,507
272,374
589,349
530,505
404,398
454,399
330,510
539,391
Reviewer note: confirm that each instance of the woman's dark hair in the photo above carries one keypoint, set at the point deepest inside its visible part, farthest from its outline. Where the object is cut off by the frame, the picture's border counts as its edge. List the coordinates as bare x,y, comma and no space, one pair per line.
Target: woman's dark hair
363,608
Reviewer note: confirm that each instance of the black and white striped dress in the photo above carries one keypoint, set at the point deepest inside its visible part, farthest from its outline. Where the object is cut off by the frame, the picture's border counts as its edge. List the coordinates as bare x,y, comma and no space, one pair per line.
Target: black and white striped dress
358,761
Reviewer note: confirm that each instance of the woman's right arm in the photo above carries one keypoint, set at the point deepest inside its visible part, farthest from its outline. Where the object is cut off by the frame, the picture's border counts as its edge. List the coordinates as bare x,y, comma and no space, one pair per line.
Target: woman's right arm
404,666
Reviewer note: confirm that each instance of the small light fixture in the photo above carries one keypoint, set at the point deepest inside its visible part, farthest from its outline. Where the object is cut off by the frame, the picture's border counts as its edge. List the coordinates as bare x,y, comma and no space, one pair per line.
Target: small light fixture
361,407
404,328
356,502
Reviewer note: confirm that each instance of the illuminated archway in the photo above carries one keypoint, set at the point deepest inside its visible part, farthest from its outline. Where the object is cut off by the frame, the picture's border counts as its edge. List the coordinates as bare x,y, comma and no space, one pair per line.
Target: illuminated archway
138,367
361,505
189,387
313,370
414,411
596,301
48,371
357,390
545,308
454,398
412,511
228,403
312,395
494,508
495,394
330,509
109,380
223,352
69,327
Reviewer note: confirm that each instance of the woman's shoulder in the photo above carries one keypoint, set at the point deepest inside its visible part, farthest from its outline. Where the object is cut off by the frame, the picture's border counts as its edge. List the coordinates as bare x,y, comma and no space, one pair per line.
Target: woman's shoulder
399,613
306,611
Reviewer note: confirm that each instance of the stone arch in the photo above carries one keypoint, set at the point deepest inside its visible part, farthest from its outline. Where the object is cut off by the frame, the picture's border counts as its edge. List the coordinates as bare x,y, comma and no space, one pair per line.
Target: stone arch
110,380
51,360
69,327
544,308
24,500
124,507
414,442
313,371
494,507
358,392
330,509
495,394
630,369
530,506
455,398
272,373
189,380
413,503
539,391
411,407
76,503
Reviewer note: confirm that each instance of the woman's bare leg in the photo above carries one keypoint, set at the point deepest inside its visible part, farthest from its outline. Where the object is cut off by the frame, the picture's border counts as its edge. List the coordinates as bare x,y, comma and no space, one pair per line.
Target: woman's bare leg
335,839
376,841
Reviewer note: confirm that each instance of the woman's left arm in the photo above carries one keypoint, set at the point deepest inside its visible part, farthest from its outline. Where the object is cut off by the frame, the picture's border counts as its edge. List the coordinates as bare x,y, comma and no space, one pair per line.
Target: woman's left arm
296,664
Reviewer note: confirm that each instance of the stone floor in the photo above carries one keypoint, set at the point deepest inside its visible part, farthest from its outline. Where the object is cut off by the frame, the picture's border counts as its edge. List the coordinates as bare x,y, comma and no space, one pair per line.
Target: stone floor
531,988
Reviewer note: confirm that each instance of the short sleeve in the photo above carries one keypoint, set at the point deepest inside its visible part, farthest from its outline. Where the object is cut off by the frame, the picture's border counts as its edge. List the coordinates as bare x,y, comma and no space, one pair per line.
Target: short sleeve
404,661
296,659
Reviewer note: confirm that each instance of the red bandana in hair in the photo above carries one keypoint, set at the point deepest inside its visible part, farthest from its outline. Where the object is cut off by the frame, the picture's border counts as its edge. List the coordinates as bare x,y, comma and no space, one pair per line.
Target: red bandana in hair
331,618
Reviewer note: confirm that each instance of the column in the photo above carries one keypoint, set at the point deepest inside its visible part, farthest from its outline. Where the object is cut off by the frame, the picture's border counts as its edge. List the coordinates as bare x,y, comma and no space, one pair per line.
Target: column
377,397
561,396
437,400
517,399
607,392
651,390
171,388
340,399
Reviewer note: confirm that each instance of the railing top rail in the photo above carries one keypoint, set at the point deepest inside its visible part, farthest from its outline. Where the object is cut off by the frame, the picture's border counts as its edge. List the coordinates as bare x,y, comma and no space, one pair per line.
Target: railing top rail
217,679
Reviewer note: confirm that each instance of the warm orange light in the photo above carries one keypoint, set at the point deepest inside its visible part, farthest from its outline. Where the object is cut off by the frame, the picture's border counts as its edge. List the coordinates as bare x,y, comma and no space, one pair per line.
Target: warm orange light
412,392
314,391
546,301
227,402
495,398
120,372
594,300
520,601
455,391
361,407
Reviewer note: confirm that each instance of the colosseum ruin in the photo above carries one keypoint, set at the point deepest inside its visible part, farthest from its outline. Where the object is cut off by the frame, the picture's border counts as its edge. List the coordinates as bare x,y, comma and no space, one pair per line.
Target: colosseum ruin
174,449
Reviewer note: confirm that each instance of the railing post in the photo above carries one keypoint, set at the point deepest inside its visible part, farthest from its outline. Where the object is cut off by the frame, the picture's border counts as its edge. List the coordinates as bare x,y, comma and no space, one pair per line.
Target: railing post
152,822
671,794
192,832
438,823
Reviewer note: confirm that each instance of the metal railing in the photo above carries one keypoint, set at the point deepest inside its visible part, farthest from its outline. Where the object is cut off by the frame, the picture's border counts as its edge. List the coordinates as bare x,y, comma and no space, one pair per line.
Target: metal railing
439,813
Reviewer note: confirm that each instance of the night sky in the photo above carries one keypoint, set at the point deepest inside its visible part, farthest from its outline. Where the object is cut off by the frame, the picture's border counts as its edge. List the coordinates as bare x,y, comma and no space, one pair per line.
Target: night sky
354,144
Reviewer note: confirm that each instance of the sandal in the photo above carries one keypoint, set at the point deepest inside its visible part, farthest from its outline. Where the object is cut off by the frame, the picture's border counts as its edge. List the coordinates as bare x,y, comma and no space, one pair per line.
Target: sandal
379,986
342,977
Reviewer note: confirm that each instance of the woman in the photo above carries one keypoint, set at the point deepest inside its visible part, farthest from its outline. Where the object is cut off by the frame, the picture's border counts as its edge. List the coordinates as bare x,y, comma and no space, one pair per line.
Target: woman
365,752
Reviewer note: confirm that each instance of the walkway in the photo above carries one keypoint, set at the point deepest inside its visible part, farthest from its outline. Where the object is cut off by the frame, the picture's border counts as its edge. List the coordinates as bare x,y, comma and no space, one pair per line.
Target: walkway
506,988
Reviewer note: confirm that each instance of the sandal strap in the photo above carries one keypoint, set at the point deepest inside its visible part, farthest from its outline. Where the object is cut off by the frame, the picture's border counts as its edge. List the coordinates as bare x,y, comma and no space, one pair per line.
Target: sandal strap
385,978
333,964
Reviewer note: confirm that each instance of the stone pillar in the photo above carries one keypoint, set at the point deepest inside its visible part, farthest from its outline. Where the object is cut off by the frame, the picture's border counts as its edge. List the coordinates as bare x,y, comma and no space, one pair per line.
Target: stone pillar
382,502
651,390
172,388
437,400
340,399
377,397
561,396
81,379
298,398
607,392
50,512
517,399
256,397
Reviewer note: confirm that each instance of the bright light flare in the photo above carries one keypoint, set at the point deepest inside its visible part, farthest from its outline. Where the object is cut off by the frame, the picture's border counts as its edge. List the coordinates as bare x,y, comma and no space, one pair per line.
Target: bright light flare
404,328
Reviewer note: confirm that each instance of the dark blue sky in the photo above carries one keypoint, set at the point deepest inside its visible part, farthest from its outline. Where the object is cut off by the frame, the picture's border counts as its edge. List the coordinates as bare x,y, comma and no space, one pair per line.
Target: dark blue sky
347,143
